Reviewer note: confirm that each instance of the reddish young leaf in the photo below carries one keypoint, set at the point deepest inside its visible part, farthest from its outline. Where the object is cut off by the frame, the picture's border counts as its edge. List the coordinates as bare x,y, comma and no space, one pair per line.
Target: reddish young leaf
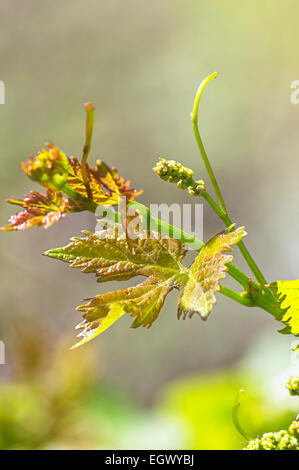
48,167
71,186
39,209
105,184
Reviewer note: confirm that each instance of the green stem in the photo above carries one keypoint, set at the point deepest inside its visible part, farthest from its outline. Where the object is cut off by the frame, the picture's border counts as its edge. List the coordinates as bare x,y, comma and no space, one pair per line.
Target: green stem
241,299
89,205
246,255
236,418
213,204
240,277
220,211
252,264
268,302
194,117
263,299
227,221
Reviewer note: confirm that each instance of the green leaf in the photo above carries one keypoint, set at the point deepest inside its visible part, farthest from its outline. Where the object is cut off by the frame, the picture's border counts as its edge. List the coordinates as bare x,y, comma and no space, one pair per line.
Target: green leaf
143,301
91,329
288,295
198,295
157,258
112,259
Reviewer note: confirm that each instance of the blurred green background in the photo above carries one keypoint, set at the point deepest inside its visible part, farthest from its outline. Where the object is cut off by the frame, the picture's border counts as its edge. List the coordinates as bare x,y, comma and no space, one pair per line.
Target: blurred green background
175,385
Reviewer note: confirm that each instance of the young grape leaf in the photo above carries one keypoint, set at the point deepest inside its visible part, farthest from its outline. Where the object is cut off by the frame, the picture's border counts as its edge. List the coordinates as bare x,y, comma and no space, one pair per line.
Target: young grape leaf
39,209
52,168
49,167
83,187
105,184
143,301
288,295
157,258
59,174
198,295
112,259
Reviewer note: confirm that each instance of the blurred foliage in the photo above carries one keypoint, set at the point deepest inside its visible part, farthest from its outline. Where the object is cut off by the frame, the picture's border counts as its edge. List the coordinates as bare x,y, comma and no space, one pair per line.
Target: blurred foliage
54,400
206,403
38,405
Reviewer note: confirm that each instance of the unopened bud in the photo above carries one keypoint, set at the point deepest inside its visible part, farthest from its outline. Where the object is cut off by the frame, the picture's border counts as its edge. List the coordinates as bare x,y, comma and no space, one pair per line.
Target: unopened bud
293,385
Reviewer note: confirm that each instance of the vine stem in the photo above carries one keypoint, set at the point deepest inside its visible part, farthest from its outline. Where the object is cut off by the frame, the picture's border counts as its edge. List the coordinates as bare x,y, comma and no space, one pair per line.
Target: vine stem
241,299
220,210
194,118
235,417
227,221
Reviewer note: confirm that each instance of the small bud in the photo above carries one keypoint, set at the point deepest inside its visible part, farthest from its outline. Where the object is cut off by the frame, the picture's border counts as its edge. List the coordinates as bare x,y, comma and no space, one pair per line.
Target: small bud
183,184
286,441
254,445
294,429
269,441
293,385
197,188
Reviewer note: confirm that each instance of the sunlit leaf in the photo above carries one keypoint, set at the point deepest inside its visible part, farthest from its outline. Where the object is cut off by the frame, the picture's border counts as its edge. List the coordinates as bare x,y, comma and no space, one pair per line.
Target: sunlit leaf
143,301
91,329
198,295
105,184
157,258
115,184
288,294
112,259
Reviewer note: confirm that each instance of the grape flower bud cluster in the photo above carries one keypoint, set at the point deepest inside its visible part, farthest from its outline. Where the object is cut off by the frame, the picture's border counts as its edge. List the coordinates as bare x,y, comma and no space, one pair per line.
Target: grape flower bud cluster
293,385
281,440
175,172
